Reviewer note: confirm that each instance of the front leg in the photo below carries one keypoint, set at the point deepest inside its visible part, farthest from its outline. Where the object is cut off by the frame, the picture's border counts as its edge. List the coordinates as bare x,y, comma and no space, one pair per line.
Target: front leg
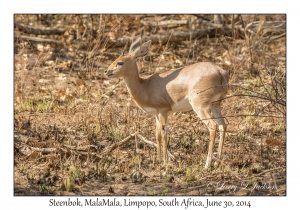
158,137
162,117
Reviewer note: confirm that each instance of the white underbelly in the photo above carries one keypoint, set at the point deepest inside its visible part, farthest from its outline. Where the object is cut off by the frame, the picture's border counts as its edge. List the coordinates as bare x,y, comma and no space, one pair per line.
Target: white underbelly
149,110
182,105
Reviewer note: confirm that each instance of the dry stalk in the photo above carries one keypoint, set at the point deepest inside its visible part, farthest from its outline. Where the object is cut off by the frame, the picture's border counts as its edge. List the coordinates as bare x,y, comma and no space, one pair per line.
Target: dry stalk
155,145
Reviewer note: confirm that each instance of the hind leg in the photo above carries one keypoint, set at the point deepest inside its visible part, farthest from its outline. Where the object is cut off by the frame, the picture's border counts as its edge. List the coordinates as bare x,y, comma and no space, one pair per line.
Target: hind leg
212,133
216,110
204,113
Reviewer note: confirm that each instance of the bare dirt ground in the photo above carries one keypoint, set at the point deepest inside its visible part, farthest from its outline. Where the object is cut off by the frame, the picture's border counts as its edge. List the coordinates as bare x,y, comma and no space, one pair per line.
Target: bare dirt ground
69,121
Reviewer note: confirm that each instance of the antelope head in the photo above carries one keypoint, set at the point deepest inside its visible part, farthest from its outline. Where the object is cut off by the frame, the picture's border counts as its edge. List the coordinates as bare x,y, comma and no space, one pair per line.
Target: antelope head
123,65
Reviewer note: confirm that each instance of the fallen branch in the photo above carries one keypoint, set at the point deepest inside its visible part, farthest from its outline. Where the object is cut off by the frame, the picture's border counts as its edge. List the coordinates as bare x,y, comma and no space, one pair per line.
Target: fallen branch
222,26
46,150
168,37
267,25
28,150
20,142
18,137
116,145
166,22
83,147
186,22
38,39
251,27
38,31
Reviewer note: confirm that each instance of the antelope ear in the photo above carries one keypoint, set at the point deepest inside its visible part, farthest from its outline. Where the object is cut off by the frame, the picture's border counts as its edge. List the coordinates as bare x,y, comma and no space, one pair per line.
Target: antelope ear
135,45
142,50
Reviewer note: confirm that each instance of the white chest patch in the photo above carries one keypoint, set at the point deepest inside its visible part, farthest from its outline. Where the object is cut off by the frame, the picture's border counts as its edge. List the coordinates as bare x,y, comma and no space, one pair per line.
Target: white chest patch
182,105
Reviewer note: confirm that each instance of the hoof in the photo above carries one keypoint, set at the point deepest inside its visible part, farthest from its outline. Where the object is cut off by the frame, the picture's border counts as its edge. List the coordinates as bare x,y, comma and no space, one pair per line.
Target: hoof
216,164
207,166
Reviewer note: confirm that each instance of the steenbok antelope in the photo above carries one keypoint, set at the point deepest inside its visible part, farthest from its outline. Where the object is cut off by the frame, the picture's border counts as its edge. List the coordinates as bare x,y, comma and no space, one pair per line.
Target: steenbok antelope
198,86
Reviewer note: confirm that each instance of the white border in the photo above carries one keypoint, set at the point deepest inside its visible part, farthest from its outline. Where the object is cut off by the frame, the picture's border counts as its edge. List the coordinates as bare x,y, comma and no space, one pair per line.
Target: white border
155,6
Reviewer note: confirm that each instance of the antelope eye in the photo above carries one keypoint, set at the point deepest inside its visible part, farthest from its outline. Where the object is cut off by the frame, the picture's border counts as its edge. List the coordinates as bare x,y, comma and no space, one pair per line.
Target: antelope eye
120,63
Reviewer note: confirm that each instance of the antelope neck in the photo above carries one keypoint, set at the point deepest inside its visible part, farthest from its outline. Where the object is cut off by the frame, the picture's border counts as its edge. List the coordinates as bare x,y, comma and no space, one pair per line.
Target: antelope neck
134,83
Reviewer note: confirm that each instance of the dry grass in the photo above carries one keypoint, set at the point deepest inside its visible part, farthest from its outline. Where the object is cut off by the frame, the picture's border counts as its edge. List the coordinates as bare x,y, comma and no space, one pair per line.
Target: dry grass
63,104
